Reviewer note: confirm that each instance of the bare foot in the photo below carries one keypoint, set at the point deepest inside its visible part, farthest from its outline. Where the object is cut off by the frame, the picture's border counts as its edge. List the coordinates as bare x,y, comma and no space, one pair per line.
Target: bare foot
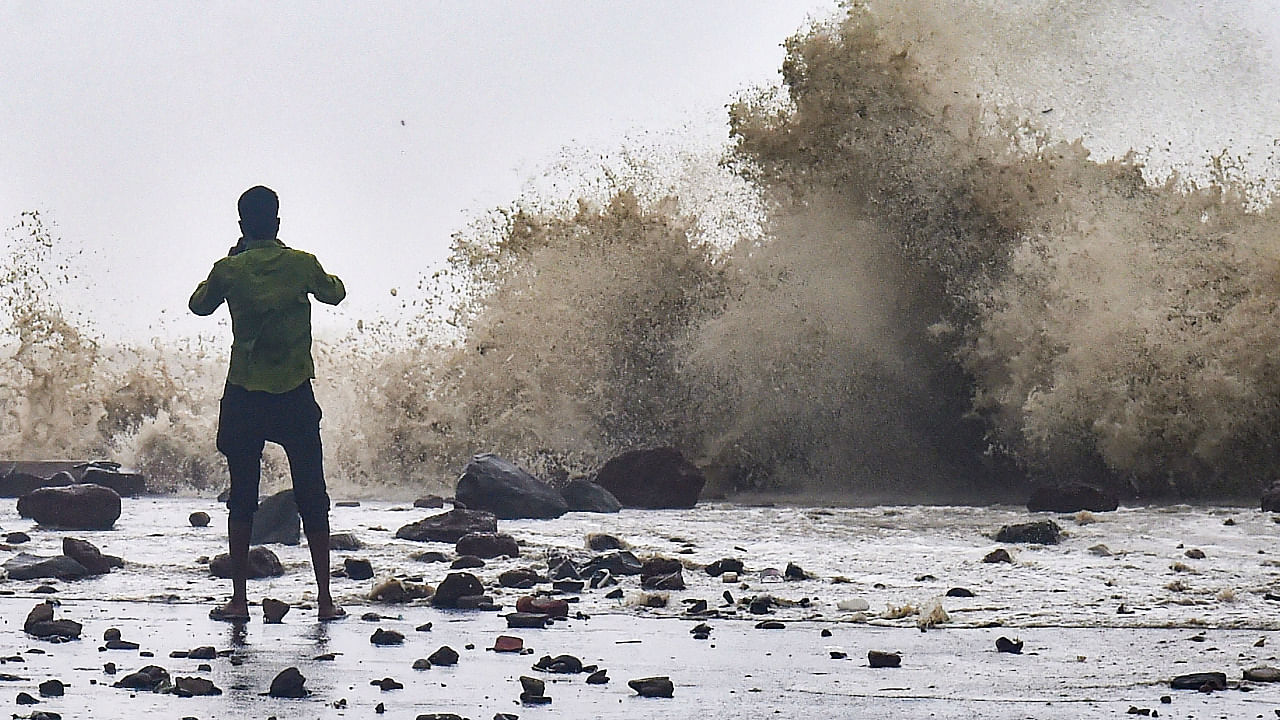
234,611
330,611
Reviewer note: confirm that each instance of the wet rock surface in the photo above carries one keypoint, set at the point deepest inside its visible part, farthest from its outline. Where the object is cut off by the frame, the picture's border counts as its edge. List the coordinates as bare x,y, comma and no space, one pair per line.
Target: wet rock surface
75,507
498,486
652,478
449,526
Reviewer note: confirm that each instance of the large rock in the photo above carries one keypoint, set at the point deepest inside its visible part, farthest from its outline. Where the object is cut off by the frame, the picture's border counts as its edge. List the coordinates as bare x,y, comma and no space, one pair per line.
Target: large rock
454,586
1071,497
262,563
493,484
25,566
586,496
277,520
124,482
652,478
79,507
88,555
1044,532
487,545
449,526
15,483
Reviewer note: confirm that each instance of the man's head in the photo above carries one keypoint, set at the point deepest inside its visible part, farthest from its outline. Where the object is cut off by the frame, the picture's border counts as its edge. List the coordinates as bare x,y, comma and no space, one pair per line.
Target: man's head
259,208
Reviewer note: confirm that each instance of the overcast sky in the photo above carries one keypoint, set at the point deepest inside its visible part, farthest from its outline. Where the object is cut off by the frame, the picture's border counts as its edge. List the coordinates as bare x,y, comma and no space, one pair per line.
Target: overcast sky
133,127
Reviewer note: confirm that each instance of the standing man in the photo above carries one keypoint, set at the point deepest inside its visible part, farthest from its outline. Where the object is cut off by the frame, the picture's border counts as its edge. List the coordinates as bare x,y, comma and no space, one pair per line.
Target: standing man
268,394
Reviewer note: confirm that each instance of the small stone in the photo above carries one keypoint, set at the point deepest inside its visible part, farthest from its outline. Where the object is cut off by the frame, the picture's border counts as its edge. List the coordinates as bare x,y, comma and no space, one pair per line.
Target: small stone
1262,673
599,677
386,637
444,656
879,659
1195,553
204,652
795,572
198,518
358,568
25,699
527,620
532,685
425,627
111,634
1200,681
959,592
999,555
273,611
422,664
660,686
601,542
771,625
507,643
386,684
467,562
17,538
288,684
52,688
1005,645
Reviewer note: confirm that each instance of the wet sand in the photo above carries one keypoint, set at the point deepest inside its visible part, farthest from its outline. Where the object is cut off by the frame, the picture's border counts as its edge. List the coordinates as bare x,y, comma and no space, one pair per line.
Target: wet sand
1081,659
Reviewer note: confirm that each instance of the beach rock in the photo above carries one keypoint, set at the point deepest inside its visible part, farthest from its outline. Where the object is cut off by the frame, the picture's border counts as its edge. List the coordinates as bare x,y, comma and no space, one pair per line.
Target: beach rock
560,567
357,568
345,542
1070,498
386,637
602,578
652,478
1262,673
568,586
1271,498
16,483
262,564
1200,681
88,555
149,678
508,643
42,612
520,579
601,542
288,684
672,581
429,556
421,664
660,686
585,496
794,572
124,482
77,507
52,688
496,485
198,518
552,607
599,677
960,592
25,566
449,526
203,652
440,716
17,538
1005,645
880,659
527,620
26,699
658,565
533,690
194,687
1043,532
55,629
560,664
444,656
722,566
617,562
386,684
277,521
273,611
454,586
487,545
429,501
395,590
999,555
466,562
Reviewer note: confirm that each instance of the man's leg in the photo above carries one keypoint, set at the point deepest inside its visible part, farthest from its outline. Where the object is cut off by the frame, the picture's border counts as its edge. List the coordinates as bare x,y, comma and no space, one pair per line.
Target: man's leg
241,442
306,466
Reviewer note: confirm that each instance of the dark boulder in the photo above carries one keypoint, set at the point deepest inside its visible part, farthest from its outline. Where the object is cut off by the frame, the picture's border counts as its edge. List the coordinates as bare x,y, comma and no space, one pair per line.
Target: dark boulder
652,478
1071,497
288,684
429,501
124,482
585,496
262,563
487,545
344,541
25,566
1044,532
653,686
149,678
496,485
617,562
449,526
1200,681
520,578
198,518
456,585
720,567
78,507
88,555
357,568
277,520
603,541
16,483
881,659
1271,498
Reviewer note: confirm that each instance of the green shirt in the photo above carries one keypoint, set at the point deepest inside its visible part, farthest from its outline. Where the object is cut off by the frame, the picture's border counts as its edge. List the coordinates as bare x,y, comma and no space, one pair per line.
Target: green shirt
266,287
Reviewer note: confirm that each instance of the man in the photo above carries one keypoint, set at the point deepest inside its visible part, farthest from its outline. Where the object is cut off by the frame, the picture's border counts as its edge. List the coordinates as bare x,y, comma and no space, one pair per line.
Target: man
268,394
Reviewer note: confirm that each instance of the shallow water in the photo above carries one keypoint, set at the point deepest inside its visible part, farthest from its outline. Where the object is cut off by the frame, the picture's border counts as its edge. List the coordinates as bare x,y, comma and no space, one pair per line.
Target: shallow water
1085,658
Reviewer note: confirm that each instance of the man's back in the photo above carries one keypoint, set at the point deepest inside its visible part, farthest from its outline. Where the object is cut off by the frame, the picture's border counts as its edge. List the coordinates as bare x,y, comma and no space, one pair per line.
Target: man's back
266,286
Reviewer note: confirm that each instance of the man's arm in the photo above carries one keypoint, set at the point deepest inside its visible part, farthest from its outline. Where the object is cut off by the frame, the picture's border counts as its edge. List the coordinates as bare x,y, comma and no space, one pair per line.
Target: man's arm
327,288
208,296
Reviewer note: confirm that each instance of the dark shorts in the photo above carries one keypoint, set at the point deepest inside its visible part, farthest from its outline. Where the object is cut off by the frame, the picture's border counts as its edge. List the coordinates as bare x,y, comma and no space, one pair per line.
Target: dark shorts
250,418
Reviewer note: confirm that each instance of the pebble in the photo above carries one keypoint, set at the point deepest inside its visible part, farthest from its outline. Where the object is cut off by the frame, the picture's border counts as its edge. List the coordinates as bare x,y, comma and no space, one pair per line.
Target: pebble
444,656
386,637
659,686
273,611
52,688
290,683
198,518
1005,645
880,659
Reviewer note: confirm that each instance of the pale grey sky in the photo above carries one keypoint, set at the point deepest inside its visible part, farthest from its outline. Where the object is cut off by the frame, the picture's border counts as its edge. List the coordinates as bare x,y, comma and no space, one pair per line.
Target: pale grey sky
134,126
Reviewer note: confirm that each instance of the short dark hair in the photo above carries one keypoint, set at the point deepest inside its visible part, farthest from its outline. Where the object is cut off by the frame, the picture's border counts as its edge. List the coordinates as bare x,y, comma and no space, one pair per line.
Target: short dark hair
259,206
